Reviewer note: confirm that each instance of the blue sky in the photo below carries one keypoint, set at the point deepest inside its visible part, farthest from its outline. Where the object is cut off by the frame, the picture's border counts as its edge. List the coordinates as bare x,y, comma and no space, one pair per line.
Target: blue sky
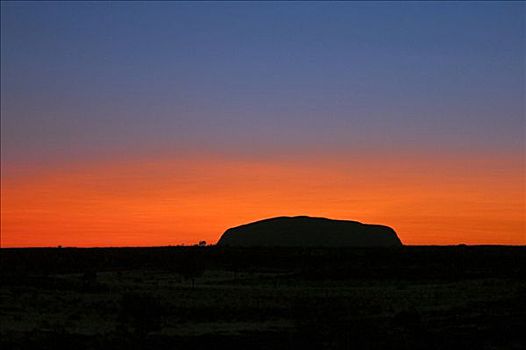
84,78
154,123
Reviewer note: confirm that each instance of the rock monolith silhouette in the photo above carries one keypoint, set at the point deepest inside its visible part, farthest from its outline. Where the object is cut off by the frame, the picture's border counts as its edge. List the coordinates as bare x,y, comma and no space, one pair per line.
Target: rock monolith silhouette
304,231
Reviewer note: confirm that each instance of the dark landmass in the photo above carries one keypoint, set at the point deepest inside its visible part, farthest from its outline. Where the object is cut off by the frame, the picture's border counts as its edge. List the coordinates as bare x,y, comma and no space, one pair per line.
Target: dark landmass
304,231
263,298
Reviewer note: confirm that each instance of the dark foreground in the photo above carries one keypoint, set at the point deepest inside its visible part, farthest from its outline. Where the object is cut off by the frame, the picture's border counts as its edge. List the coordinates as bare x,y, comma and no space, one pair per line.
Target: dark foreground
211,297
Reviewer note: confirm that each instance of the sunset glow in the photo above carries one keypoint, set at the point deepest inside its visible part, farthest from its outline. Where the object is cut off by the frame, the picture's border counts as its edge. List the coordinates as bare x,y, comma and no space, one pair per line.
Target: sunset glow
181,201
165,123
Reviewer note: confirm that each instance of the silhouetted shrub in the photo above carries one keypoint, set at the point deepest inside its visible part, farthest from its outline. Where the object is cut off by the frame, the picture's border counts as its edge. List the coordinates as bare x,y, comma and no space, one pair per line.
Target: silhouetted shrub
409,318
89,277
143,312
191,267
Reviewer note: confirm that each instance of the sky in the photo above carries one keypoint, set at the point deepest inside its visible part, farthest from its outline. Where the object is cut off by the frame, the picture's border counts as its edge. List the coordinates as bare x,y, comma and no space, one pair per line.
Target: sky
165,123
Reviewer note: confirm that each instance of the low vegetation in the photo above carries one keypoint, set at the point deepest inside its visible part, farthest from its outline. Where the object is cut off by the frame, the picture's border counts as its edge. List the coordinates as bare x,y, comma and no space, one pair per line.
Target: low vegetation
199,297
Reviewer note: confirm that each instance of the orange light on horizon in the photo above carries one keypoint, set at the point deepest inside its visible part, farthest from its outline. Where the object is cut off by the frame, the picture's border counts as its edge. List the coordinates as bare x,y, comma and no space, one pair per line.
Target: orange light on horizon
169,202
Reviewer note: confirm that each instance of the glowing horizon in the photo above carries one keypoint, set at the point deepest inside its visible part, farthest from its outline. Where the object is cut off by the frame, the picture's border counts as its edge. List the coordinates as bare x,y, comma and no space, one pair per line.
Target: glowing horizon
163,123
173,201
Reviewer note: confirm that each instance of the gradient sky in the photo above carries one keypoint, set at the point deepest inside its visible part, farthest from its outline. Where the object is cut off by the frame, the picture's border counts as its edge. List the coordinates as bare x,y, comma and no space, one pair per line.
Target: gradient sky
166,123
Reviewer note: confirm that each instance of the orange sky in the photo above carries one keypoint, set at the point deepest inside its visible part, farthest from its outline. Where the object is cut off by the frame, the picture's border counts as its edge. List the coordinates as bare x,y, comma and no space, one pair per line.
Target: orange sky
182,200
